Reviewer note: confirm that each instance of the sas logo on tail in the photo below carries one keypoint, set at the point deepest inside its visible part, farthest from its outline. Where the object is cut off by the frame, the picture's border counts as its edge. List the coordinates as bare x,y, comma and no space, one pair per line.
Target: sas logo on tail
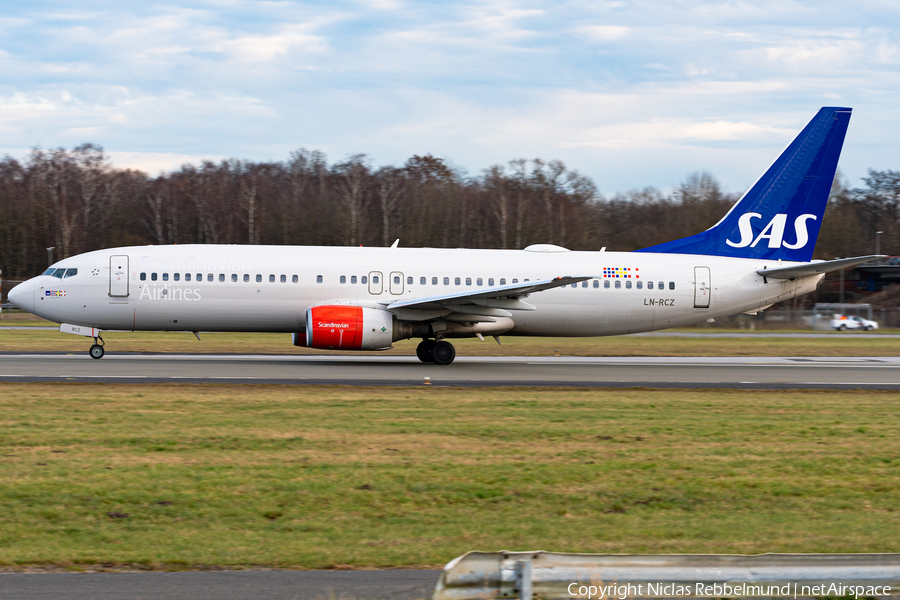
773,232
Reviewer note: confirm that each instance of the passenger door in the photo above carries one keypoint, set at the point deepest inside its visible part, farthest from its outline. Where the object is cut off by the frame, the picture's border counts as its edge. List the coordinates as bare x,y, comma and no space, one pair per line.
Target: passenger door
118,276
701,287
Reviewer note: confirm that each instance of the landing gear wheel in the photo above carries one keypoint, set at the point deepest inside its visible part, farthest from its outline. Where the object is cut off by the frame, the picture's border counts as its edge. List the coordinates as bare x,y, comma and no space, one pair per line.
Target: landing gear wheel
443,353
423,350
97,351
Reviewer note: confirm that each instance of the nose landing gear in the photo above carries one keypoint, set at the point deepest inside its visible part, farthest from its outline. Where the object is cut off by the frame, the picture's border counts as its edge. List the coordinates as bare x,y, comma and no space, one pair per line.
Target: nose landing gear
436,352
97,350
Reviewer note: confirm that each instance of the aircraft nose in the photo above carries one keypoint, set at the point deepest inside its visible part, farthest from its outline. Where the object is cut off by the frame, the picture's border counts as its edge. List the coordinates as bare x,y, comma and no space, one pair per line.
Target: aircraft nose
23,295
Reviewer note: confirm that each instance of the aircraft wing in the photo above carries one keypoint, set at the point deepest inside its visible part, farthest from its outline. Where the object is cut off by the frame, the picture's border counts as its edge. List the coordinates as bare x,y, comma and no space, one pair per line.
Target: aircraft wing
815,268
499,298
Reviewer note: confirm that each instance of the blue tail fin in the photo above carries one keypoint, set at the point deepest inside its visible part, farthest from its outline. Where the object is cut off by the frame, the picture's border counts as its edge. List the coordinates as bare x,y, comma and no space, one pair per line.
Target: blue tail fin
779,217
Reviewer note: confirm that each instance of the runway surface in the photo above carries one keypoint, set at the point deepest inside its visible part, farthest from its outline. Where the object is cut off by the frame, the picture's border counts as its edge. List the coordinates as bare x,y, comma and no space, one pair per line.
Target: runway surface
881,373
221,585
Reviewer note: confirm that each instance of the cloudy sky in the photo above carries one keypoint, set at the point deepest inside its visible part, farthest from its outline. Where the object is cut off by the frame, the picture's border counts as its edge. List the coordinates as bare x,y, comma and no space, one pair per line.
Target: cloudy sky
630,93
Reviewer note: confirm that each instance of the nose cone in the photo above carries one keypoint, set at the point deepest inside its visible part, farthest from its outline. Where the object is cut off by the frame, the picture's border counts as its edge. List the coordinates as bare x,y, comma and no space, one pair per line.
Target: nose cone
23,295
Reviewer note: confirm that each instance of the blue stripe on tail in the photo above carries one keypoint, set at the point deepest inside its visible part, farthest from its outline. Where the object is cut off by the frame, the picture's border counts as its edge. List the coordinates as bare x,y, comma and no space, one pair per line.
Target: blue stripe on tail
779,217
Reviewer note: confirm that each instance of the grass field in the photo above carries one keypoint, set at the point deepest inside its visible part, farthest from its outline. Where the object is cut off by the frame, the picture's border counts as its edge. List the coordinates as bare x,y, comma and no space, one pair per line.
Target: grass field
280,343
173,477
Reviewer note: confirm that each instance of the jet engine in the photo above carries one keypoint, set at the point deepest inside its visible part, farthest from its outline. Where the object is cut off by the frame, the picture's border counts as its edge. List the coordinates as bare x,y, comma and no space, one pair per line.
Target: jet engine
343,327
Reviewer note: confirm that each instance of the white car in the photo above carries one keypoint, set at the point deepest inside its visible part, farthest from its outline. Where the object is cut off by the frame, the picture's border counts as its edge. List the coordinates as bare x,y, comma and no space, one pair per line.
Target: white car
842,322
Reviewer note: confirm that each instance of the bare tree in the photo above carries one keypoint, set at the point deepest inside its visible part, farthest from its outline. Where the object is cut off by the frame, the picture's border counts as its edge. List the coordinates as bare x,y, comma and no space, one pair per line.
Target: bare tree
495,179
391,183
352,187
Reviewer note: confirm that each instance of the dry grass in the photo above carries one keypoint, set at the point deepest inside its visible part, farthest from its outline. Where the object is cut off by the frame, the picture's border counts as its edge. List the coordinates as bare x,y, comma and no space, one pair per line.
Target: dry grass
317,477
280,343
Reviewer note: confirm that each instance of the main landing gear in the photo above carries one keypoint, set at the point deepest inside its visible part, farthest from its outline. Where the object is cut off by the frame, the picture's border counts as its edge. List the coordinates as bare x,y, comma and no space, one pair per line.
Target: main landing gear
437,352
96,350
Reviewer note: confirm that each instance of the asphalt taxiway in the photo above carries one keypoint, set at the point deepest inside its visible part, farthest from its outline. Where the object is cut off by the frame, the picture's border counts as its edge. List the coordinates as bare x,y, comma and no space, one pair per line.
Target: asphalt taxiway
399,584
882,373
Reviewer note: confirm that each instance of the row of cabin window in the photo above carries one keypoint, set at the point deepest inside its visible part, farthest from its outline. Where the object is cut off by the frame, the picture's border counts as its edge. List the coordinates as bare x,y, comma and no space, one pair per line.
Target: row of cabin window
211,277
422,280
639,284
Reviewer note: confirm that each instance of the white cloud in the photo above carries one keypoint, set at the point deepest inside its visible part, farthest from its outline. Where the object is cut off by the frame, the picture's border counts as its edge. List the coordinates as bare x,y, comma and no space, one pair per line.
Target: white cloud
630,93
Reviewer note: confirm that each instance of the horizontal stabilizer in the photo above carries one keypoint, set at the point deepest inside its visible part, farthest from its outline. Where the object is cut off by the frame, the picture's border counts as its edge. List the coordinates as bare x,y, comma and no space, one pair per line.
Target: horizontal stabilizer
816,268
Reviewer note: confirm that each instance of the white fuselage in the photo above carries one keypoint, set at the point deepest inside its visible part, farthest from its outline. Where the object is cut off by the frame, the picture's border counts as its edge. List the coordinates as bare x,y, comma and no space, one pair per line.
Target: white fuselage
269,288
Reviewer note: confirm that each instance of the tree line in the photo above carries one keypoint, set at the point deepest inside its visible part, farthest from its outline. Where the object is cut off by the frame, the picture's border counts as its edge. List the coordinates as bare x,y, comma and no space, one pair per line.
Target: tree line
76,201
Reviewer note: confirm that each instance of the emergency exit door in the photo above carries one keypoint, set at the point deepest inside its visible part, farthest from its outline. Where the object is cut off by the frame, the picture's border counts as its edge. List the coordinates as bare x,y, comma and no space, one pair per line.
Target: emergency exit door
375,283
396,283
701,287
118,276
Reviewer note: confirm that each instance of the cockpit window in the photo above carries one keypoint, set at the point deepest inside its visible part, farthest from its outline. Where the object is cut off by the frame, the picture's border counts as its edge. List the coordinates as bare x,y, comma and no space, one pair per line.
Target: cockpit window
58,273
71,272
48,271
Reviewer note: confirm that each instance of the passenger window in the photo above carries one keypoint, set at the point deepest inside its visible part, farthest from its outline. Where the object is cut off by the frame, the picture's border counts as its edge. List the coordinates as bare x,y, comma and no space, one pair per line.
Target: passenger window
258,278
176,276
671,285
503,281
199,276
649,285
457,281
584,284
640,285
209,277
364,279
662,285
318,278
574,285
628,285
618,284
222,277
153,276
71,272
490,281
353,279
343,279
143,277
165,276
468,281
295,279
515,281
446,281
596,284
479,282
409,280
606,283
187,276
272,278
234,277
283,279
246,277
375,278
434,281
422,280
396,280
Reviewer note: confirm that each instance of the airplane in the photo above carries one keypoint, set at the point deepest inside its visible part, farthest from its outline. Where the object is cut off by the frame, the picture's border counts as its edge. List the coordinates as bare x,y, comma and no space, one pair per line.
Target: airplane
358,298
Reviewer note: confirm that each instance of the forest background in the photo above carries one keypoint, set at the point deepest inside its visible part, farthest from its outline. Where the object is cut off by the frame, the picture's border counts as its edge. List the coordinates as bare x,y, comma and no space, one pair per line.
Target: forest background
77,201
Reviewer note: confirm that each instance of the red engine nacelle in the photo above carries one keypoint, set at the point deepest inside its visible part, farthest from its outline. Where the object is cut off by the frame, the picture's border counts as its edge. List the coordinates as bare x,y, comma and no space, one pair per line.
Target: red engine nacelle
335,327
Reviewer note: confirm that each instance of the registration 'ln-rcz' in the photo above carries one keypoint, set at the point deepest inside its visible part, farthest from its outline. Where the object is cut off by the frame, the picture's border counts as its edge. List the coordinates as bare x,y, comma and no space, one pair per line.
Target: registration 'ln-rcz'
368,298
